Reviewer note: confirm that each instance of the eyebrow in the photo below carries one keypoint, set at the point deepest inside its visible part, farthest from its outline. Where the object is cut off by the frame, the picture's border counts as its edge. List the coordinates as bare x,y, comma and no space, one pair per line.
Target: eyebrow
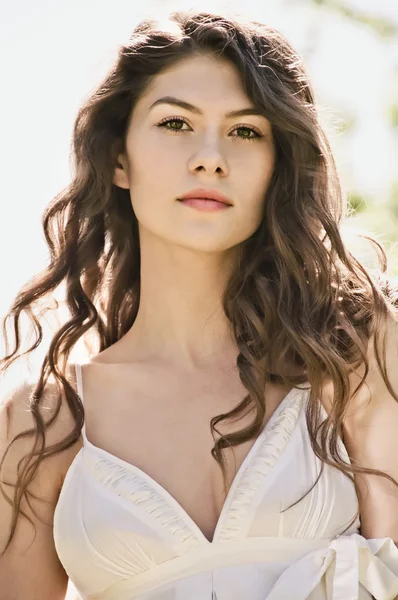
194,109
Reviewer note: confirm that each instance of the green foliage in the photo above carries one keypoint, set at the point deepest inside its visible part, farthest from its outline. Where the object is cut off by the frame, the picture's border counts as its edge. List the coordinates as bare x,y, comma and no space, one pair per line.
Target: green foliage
382,27
367,215
357,203
393,114
393,202
382,223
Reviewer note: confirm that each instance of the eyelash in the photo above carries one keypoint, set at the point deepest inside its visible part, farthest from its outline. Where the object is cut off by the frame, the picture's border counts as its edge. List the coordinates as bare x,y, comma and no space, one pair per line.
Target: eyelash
164,122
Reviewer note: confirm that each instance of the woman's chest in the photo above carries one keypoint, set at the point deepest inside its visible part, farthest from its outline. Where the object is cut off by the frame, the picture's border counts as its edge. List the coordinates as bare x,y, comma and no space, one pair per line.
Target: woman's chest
162,426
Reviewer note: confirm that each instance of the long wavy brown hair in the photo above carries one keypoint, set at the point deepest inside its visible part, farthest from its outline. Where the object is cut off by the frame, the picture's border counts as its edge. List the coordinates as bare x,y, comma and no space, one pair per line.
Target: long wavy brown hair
302,307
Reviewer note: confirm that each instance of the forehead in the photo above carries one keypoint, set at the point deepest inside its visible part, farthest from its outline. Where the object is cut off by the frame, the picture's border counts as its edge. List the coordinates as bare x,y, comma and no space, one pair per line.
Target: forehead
203,80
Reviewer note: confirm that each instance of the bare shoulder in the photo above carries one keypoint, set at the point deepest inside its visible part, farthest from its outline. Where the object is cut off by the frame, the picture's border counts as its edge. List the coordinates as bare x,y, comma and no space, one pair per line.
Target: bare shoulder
32,550
371,394
17,417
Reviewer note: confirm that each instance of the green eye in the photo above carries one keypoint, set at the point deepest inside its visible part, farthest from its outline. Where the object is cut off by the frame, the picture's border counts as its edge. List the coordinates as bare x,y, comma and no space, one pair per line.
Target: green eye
168,121
166,124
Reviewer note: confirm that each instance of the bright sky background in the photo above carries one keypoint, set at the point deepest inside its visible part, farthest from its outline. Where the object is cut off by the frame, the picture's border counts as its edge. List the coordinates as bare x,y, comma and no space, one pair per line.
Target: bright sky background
53,53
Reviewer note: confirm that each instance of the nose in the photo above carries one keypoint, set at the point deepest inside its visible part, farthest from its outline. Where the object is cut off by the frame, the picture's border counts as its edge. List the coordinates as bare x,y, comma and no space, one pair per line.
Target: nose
209,158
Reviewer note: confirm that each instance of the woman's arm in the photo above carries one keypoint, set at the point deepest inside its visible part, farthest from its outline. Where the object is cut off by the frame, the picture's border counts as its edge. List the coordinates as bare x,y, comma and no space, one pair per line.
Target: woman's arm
371,438
30,568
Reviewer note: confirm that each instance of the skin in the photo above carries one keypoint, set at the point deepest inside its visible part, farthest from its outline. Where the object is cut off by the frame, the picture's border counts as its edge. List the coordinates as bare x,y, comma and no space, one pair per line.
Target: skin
187,255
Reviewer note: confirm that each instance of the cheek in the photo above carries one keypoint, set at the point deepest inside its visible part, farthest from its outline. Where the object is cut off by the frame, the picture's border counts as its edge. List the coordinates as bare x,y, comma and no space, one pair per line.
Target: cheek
151,159
255,183
255,171
155,175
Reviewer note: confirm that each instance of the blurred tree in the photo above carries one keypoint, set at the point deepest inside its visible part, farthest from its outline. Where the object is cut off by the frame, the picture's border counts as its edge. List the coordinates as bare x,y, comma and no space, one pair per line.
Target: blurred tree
357,203
383,27
393,114
379,219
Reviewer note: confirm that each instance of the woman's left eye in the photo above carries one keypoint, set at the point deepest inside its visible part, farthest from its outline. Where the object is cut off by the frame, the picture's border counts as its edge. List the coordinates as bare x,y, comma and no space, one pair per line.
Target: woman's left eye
257,134
246,128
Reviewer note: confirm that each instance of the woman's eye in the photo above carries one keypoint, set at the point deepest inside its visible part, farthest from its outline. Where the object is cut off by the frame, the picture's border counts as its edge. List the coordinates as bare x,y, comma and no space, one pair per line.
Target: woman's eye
250,133
174,120
249,130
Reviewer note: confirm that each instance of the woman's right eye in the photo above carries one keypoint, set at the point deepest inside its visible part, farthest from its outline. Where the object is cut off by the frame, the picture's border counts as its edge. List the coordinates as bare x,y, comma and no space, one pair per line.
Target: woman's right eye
166,122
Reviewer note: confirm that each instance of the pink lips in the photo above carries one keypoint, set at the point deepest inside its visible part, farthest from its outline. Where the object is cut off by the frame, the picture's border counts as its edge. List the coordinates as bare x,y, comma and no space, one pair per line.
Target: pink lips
204,204
206,194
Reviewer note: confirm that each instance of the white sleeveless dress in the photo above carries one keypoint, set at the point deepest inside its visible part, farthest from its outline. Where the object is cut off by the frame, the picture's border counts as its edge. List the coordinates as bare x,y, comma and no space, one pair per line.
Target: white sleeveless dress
121,536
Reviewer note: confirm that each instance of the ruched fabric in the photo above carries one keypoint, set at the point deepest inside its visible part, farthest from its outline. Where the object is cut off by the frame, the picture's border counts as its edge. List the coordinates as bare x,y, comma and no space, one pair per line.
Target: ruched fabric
121,536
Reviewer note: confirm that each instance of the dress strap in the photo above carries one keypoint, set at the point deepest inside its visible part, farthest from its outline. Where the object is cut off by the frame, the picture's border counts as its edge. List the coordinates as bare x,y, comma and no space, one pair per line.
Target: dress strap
79,383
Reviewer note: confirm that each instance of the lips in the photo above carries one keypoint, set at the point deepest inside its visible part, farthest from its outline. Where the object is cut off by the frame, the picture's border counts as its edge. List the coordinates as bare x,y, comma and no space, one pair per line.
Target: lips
206,194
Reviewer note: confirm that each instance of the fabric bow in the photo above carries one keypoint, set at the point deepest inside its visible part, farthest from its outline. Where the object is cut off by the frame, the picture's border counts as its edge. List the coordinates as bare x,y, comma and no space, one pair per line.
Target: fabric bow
371,563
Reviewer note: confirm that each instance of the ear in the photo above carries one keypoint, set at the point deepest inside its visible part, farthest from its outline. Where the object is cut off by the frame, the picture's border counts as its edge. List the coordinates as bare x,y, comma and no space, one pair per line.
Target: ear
120,175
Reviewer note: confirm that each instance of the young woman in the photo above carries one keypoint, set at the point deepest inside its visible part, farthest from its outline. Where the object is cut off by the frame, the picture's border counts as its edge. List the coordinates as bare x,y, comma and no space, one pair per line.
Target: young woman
238,437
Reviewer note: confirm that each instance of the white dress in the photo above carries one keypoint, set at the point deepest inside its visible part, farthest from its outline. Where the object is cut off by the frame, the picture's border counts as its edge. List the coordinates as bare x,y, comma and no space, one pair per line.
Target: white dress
121,536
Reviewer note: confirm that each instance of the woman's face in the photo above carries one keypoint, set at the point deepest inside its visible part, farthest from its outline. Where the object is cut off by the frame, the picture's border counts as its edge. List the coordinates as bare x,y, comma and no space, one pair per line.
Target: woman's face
199,147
